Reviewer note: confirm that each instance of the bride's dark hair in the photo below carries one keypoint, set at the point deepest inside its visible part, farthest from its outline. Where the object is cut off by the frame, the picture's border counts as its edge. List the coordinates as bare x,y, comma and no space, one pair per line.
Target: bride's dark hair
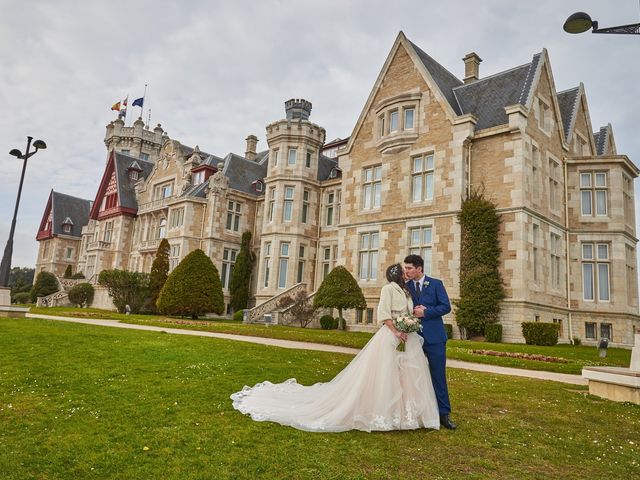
394,275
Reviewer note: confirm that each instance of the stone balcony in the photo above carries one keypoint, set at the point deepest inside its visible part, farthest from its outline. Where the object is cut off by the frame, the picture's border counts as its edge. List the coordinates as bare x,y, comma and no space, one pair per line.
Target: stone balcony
149,245
157,204
98,245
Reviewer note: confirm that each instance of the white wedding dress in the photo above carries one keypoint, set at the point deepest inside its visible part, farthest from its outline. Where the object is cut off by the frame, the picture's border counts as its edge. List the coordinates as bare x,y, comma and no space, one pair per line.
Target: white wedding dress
381,389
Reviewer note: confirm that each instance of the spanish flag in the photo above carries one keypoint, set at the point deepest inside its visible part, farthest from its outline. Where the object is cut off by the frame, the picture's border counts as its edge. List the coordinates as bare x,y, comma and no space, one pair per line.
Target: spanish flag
116,107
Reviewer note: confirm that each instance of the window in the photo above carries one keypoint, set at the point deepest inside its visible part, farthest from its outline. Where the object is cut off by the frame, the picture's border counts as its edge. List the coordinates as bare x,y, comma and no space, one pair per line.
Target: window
595,271
162,228
275,157
163,191
198,177
627,193
593,193
233,215
144,156
272,202
420,243
535,177
543,116
536,253
176,217
283,265
422,178
555,252
372,187
69,252
358,316
66,228
126,151
381,131
554,185
293,154
581,147
301,264
558,321
631,274
91,266
408,118
305,206
393,121
267,263
45,250
590,330
288,204
606,331
329,208
369,315
133,175
328,260
369,256
228,261
108,232
174,256
307,162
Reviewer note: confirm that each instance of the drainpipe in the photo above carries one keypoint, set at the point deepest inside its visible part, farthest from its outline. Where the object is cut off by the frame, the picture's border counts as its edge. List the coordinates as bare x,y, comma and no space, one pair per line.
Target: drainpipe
318,220
568,269
468,143
204,218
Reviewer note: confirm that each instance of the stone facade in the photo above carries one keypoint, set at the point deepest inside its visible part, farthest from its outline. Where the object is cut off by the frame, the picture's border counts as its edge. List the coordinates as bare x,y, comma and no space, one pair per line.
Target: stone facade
423,141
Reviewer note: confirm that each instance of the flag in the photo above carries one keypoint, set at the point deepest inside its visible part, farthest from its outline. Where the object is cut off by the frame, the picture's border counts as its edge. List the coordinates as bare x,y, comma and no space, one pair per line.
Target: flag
116,106
124,103
138,102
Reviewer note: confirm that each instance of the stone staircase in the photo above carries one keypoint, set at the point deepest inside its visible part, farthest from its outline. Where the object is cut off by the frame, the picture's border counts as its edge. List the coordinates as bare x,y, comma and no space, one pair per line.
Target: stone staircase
61,297
257,314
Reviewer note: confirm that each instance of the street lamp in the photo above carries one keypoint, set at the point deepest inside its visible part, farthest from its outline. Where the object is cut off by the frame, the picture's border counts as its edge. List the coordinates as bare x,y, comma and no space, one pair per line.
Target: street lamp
5,266
581,22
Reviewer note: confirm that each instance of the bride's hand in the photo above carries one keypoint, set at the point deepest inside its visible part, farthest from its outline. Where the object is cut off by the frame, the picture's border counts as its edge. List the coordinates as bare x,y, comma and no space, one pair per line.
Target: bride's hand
400,335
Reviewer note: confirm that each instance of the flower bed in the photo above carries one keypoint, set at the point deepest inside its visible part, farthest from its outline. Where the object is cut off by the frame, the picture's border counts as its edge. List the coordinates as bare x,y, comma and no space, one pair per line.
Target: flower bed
524,356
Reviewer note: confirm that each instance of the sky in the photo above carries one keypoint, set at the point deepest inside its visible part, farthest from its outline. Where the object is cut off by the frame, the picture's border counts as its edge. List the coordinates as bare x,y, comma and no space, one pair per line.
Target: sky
218,71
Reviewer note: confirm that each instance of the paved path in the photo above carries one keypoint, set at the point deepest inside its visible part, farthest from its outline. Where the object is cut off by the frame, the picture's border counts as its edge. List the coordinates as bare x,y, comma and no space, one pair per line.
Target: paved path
478,367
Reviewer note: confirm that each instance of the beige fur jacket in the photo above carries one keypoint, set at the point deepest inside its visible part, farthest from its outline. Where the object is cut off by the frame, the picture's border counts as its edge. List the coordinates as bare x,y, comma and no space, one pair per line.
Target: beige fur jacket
393,303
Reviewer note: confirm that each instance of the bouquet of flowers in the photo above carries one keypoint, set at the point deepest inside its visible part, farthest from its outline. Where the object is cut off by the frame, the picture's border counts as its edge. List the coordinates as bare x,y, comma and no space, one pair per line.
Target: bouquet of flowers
406,324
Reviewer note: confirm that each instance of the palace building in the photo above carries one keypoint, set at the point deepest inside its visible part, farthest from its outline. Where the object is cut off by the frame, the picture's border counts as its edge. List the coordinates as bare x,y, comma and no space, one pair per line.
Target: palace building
423,140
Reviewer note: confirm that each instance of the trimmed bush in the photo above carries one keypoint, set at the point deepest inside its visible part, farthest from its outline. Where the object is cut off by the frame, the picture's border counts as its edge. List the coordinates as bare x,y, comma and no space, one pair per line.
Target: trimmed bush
126,288
68,273
45,284
77,276
193,288
238,316
493,333
158,275
22,297
339,290
327,322
449,329
540,333
81,294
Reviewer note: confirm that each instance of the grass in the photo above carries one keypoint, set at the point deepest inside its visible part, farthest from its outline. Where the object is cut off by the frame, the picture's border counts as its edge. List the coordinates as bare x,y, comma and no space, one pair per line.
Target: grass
78,401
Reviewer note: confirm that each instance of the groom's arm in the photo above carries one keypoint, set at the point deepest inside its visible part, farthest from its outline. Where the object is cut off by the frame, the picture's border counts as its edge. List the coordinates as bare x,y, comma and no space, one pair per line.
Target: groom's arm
442,306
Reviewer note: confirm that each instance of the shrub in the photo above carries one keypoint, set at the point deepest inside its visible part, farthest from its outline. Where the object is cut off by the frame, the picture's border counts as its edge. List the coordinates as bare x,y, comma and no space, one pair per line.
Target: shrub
302,310
339,290
238,316
77,276
449,328
240,282
158,275
126,288
45,284
81,294
67,272
540,333
21,297
493,333
481,288
193,288
327,322
577,341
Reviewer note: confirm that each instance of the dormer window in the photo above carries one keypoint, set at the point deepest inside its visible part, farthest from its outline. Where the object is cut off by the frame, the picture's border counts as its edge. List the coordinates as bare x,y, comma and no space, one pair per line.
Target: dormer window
133,175
134,171
66,228
258,185
198,177
335,172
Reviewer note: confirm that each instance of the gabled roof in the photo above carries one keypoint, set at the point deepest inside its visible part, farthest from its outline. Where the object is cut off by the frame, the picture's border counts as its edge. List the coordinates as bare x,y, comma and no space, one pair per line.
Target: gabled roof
126,191
568,103
63,208
242,172
487,97
325,165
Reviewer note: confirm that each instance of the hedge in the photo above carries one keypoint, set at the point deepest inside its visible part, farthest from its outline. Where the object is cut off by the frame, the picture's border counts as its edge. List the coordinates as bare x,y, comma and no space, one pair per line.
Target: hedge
540,333
493,333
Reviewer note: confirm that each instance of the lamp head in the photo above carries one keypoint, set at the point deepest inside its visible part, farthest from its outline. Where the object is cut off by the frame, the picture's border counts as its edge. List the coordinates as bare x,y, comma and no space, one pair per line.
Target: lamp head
16,153
39,145
579,22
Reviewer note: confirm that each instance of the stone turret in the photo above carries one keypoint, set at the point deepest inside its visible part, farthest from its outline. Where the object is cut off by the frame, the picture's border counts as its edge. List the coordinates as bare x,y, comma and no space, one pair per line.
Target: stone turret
297,109
136,141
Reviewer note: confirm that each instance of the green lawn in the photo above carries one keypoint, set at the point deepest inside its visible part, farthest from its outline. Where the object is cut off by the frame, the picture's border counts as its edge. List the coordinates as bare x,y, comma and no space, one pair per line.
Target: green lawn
578,356
78,401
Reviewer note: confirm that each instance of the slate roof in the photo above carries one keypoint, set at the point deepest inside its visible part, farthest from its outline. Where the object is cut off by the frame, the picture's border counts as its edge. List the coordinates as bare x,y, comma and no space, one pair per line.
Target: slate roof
242,172
600,139
325,165
567,101
126,192
65,207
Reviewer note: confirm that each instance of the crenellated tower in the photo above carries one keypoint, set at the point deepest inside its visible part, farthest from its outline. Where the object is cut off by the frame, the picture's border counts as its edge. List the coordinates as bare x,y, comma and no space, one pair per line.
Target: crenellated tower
136,141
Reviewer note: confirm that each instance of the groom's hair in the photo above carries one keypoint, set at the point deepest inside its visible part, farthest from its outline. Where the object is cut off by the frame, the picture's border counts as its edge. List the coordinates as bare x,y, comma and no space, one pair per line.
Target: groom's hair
415,260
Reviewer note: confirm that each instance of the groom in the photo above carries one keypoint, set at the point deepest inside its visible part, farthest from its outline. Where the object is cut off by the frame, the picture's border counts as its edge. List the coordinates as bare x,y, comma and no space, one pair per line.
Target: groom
431,301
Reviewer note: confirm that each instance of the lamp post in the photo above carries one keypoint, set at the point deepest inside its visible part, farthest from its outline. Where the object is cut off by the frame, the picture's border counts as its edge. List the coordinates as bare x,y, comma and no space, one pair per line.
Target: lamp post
5,266
580,22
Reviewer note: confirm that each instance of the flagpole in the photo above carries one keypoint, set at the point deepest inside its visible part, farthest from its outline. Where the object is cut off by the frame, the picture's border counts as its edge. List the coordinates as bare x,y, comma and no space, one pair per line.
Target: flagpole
149,120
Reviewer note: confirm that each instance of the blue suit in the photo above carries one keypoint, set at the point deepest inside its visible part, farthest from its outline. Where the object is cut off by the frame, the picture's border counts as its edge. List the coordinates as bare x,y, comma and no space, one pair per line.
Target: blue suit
434,297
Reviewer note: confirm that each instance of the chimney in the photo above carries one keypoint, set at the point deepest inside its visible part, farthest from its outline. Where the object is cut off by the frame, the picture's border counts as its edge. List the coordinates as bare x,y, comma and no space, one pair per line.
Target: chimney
471,67
252,142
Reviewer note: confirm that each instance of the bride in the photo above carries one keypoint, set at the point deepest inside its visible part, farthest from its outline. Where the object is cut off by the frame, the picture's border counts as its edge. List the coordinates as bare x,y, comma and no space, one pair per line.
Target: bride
381,389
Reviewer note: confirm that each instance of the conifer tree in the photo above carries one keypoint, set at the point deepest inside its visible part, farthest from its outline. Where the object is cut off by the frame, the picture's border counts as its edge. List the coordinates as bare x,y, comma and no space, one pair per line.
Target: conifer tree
68,272
240,283
340,290
159,273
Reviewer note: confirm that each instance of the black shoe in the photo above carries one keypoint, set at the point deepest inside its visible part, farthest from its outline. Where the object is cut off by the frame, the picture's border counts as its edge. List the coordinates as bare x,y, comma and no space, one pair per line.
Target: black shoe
447,423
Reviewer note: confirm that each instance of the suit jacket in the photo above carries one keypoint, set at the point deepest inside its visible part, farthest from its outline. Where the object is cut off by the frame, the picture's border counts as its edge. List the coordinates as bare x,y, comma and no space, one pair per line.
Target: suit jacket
434,297
393,303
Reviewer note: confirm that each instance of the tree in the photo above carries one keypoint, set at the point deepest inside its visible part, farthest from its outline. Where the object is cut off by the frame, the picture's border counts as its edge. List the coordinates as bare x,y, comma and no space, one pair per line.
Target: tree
126,288
340,290
240,283
46,283
192,288
302,310
159,273
81,294
21,281
67,272
481,288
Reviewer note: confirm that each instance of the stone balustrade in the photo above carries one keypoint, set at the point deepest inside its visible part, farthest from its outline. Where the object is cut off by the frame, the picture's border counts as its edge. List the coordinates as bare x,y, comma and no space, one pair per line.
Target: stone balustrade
255,314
